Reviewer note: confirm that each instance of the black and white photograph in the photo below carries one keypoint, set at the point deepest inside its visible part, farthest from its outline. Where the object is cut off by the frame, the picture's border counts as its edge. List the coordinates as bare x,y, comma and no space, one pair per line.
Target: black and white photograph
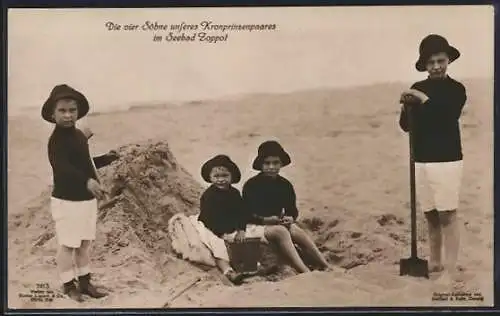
225,157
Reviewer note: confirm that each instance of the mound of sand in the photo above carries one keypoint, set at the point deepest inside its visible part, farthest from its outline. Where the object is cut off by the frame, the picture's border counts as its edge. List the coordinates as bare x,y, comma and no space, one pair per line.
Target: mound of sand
148,186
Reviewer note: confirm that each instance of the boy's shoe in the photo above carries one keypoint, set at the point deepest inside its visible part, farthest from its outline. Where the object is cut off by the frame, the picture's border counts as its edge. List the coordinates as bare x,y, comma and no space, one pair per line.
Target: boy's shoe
235,277
72,291
87,288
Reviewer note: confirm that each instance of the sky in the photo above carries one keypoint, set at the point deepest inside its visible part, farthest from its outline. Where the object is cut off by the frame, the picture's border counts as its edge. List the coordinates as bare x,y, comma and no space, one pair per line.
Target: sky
312,47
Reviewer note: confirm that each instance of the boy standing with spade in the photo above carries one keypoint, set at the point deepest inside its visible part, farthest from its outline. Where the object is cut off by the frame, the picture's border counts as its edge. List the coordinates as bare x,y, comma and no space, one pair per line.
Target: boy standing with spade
437,104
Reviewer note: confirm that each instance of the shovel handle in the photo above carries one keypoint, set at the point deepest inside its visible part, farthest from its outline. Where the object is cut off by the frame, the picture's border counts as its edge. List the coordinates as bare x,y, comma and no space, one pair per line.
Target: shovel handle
413,193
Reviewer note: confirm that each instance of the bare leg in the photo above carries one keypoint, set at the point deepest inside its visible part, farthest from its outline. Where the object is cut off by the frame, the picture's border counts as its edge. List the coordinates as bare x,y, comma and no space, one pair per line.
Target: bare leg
435,240
280,235
64,258
300,237
451,238
82,258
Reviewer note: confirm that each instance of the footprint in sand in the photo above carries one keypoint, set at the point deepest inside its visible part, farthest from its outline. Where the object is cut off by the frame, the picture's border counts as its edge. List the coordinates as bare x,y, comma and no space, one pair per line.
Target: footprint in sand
454,282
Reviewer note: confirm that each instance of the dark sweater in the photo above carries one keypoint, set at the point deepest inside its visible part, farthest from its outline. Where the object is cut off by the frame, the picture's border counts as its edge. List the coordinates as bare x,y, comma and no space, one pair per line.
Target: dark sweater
436,122
265,196
222,210
69,157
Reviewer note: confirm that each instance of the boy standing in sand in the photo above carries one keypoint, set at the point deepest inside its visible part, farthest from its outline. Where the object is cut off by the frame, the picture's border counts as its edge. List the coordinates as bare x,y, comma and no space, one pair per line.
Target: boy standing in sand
75,189
270,202
437,104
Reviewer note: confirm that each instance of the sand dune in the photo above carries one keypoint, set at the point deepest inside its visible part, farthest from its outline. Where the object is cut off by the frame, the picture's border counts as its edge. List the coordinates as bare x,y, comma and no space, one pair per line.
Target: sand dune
350,167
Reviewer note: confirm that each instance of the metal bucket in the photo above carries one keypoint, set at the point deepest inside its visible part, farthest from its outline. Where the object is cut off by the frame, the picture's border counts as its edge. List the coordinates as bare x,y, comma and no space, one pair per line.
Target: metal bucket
245,256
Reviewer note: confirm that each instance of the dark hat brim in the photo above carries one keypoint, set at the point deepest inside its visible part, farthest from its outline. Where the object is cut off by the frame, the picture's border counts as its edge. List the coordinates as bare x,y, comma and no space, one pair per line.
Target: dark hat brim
421,64
221,161
282,154
67,93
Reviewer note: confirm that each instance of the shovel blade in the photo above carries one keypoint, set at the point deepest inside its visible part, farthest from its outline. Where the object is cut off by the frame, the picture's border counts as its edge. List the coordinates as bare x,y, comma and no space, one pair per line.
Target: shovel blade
414,267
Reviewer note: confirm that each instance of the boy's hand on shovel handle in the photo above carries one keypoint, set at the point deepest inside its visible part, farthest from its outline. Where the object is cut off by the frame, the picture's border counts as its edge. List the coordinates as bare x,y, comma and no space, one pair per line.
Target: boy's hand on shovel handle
409,99
413,97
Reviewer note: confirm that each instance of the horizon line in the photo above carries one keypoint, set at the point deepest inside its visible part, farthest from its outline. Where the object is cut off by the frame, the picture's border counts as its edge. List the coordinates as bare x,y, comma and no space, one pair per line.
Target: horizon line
136,105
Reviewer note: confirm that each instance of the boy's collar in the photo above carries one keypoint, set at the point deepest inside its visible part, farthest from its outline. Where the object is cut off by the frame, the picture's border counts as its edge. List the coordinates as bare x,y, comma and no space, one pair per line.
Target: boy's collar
262,174
446,77
60,128
221,189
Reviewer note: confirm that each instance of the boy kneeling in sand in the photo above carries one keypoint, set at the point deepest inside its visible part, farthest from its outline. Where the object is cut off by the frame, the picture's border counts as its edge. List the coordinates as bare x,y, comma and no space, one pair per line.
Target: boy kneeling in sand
222,216
271,205
437,104
73,201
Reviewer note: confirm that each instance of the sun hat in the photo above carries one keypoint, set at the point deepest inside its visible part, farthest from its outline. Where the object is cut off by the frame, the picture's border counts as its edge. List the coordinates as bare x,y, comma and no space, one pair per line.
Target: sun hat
221,161
270,148
433,44
63,91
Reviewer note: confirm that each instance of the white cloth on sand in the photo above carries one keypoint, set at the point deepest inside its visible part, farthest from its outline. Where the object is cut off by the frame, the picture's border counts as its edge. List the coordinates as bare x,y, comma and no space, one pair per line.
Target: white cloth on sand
74,221
192,241
438,185
217,245
186,241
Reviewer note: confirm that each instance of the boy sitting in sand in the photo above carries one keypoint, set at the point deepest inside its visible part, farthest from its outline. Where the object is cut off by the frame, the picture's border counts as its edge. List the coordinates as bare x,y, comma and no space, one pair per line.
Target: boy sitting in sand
221,212
271,205
75,189
437,104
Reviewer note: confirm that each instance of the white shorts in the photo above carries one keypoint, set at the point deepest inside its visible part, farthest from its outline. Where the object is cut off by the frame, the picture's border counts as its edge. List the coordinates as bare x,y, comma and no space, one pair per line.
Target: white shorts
74,221
217,245
438,185
252,231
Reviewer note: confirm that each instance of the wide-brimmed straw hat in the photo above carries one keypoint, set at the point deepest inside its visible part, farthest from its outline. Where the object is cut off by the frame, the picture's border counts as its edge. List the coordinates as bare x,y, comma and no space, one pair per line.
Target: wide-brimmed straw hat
434,44
221,161
63,91
270,148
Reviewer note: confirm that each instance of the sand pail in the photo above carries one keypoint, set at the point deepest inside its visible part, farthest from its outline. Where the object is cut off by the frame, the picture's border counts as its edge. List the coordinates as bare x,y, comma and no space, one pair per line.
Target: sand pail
245,256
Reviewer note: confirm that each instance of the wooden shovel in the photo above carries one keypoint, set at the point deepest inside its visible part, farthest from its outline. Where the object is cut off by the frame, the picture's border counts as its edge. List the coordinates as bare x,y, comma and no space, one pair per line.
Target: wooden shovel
413,266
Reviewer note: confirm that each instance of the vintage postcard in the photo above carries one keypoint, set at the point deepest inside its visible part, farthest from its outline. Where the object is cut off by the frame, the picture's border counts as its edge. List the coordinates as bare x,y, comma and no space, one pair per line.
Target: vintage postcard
250,157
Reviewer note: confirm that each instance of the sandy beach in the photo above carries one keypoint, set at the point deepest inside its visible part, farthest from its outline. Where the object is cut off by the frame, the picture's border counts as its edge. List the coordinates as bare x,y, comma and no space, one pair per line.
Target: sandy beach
325,83
350,171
